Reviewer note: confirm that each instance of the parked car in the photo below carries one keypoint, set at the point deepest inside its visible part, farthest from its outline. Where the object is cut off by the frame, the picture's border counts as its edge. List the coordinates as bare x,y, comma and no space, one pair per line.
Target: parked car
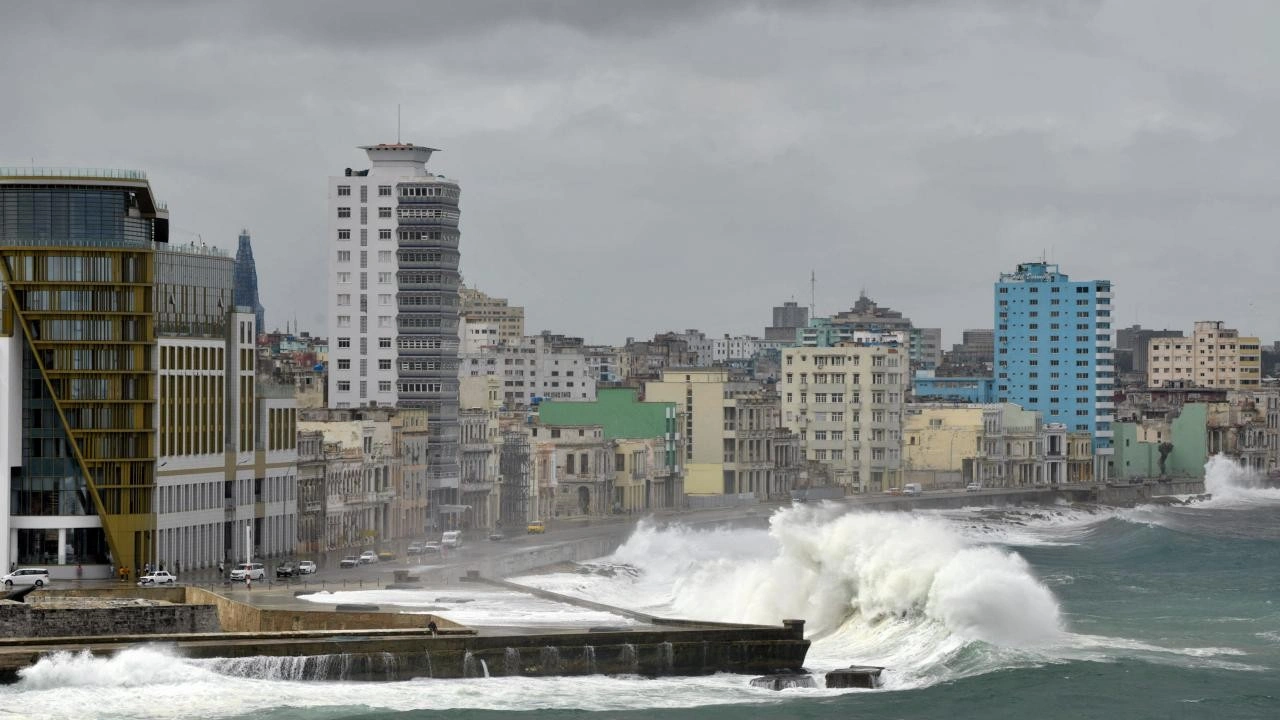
451,539
349,561
306,567
497,535
972,487
158,577
415,548
368,557
27,576
386,555
286,570
252,571
537,527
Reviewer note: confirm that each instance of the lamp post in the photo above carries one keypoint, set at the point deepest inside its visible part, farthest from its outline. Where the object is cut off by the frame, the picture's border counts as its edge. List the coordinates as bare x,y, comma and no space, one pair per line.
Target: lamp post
248,554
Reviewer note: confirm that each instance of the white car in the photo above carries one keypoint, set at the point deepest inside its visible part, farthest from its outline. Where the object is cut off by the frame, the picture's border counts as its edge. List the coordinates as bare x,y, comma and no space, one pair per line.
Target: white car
368,557
26,576
159,577
451,539
972,487
252,571
306,567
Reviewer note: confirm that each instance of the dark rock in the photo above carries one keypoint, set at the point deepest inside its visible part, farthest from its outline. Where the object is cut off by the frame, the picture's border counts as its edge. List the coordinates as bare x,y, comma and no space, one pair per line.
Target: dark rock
855,677
356,607
782,681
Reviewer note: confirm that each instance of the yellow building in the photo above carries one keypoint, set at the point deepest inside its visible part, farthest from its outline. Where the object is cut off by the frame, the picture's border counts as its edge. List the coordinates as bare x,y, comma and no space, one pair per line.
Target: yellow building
940,444
734,440
1000,445
1214,356
703,395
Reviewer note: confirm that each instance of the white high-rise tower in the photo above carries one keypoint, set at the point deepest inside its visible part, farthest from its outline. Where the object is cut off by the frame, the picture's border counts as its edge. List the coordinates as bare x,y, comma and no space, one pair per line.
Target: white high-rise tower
393,293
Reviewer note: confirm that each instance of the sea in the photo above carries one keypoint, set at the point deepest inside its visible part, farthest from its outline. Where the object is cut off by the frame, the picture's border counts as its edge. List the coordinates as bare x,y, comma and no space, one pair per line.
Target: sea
1160,611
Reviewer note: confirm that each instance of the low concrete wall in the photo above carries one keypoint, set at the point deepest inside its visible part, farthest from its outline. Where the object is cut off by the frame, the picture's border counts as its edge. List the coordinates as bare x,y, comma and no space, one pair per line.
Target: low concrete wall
33,621
694,651
236,616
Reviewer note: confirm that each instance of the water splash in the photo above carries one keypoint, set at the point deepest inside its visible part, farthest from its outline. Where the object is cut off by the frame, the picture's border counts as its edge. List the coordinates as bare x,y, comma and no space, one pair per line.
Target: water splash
469,665
666,658
549,659
589,659
390,666
485,667
629,659
511,661
1232,484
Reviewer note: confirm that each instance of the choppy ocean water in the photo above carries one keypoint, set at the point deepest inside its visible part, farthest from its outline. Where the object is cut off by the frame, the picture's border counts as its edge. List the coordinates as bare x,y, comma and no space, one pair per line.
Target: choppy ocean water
1155,612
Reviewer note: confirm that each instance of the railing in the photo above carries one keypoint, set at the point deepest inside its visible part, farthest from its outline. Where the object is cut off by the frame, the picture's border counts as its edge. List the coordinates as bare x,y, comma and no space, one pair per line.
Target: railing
73,172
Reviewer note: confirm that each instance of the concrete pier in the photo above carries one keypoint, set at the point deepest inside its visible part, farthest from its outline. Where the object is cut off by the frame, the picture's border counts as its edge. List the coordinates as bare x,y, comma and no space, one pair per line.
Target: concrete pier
304,644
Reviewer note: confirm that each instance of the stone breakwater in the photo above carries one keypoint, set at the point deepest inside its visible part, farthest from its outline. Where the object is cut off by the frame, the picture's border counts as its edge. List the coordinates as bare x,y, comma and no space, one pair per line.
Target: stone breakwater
370,645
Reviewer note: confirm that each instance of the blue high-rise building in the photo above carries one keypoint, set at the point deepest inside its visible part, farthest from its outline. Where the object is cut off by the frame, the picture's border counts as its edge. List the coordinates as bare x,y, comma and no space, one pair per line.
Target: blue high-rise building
247,281
1055,351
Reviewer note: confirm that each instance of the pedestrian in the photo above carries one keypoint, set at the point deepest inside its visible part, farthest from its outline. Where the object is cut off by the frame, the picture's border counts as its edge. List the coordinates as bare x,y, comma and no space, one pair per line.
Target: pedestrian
221,568
79,571
432,627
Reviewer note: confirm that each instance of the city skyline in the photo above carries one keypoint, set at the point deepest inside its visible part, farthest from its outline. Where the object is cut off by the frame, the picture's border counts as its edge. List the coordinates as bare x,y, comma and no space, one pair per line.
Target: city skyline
646,137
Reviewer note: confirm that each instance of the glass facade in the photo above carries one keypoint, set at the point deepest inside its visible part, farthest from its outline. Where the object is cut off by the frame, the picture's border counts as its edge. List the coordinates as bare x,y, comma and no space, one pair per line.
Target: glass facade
79,261
46,215
194,293
247,281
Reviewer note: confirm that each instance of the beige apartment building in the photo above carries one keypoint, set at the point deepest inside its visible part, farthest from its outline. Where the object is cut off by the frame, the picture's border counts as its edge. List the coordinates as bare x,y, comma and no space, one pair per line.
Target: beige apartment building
734,440
477,308
846,403
1214,356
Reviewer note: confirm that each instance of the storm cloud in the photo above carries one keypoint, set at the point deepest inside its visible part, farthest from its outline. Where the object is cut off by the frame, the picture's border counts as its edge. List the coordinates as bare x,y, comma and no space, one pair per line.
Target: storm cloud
630,167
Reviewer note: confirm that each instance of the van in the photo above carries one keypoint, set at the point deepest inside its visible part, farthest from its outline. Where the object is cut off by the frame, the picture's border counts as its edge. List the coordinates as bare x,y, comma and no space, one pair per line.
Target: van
26,576
252,571
451,539
911,489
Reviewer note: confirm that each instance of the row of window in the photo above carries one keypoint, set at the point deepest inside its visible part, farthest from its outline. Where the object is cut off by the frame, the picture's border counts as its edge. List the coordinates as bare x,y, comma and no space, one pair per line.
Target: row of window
384,321
384,278
383,191
345,386
428,191
1080,289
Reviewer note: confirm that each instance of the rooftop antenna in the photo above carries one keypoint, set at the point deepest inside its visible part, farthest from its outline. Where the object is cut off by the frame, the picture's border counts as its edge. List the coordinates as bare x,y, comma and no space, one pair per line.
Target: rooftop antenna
397,123
813,293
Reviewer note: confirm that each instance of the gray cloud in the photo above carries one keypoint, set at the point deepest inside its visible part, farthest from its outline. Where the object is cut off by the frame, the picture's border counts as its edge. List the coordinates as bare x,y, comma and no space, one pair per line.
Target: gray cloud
630,167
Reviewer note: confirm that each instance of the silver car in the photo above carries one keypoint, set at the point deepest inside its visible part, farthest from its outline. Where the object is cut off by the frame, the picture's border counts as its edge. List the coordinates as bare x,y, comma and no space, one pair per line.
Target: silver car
27,576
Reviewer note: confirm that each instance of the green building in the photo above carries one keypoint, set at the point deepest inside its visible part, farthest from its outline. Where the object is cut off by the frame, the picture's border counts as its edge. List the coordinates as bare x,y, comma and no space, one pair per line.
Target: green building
646,438
1138,446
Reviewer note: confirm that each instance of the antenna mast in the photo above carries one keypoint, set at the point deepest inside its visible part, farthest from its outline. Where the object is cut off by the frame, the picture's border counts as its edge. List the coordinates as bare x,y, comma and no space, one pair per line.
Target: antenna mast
813,293
397,123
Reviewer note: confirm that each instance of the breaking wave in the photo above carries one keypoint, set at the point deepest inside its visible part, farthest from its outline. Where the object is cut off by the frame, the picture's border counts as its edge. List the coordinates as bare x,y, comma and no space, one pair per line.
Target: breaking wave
1233,485
906,591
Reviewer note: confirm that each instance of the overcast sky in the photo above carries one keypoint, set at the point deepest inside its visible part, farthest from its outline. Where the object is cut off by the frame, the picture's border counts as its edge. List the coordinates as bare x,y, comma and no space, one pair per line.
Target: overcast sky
632,167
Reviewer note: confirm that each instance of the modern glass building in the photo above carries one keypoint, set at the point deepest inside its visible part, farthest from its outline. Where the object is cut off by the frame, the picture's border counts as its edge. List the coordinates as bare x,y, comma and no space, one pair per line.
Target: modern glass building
247,281
131,428
77,359
1055,351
